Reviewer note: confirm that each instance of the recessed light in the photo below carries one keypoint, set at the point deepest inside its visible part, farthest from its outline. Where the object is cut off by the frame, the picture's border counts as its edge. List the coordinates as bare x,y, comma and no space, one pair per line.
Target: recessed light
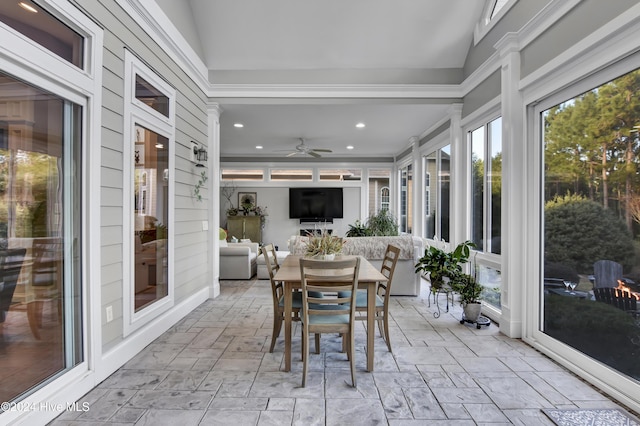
258,146
238,125
28,7
349,146
360,125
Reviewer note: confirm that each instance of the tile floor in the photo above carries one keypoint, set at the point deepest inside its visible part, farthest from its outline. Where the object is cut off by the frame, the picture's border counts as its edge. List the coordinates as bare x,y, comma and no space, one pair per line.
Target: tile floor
214,368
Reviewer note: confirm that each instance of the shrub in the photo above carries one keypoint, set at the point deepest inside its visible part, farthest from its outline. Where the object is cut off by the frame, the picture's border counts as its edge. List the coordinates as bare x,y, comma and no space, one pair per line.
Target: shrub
578,232
557,270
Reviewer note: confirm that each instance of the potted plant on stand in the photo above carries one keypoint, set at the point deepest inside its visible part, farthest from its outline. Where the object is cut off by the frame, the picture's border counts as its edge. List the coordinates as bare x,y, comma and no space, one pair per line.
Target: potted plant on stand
442,266
439,263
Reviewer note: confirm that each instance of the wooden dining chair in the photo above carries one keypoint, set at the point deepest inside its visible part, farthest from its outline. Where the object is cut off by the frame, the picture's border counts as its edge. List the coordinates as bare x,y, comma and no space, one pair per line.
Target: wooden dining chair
330,313
277,293
270,250
383,292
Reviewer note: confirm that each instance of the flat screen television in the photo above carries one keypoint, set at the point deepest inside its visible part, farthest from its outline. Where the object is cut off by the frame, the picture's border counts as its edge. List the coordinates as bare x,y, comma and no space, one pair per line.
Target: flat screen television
315,204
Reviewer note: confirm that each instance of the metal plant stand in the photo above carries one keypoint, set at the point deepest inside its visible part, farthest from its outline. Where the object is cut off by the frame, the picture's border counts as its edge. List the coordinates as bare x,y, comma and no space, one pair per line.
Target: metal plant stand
479,322
447,291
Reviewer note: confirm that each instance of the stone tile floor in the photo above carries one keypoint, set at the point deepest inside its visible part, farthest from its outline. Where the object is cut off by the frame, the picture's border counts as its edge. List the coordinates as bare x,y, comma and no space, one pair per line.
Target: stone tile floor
214,368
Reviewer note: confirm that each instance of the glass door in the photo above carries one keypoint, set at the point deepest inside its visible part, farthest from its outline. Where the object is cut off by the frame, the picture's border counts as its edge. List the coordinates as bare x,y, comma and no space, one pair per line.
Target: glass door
40,224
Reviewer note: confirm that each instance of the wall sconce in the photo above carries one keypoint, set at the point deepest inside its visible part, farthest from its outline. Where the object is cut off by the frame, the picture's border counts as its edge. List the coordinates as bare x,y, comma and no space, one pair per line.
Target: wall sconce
198,154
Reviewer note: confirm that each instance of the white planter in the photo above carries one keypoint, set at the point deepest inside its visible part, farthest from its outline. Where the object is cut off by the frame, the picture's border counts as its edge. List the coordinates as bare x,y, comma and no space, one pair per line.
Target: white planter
472,311
329,256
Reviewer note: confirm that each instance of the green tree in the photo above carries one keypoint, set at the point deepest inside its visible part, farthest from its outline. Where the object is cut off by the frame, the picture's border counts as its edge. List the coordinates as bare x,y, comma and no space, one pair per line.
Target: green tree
592,146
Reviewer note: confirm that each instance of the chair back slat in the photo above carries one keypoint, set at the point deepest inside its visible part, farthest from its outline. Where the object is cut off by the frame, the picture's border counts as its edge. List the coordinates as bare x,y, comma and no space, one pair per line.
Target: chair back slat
328,278
277,288
388,267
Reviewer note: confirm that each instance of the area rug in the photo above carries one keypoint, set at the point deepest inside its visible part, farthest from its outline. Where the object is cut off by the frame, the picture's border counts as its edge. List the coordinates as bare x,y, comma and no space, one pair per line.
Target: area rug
591,417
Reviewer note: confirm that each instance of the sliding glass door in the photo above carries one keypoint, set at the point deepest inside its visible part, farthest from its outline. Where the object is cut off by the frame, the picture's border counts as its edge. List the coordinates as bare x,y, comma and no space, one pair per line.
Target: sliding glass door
40,224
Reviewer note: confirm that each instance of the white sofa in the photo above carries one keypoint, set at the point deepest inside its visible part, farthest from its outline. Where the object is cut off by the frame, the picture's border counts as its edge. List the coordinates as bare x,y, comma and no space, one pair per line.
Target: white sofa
263,274
238,261
406,282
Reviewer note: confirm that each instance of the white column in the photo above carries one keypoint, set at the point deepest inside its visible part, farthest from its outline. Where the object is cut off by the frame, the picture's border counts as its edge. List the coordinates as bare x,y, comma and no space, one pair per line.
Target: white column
458,212
213,124
514,210
417,189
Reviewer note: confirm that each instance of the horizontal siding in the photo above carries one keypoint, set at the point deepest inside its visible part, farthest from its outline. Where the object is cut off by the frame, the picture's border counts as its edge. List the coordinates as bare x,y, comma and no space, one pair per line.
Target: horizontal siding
112,120
112,274
111,178
111,235
191,257
111,216
111,197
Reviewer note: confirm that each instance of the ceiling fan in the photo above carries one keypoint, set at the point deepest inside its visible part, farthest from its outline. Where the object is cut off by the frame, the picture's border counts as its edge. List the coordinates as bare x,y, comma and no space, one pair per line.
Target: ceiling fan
303,149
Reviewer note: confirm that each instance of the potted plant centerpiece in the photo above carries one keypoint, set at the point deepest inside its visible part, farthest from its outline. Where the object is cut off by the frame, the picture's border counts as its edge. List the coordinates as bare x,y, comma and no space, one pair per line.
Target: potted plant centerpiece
324,246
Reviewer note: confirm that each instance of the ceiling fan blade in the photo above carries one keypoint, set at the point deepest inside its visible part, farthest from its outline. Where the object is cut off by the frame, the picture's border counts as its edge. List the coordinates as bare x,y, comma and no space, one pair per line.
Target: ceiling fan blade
321,150
291,154
313,154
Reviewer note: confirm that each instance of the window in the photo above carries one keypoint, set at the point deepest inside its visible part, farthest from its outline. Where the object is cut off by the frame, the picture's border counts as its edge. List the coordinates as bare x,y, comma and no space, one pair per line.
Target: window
493,12
436,211
354,175
406,199
151,212
497,6
152,97
384,198
486,186
240,174
379,192
40,26
591,161
300,175
149,114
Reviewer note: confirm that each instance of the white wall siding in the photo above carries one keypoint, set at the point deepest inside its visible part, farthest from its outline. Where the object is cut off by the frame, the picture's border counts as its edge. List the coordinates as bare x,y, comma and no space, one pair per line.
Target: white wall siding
191,256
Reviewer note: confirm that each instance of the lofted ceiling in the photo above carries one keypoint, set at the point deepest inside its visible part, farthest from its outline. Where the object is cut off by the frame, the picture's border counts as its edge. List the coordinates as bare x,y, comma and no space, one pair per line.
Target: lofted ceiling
310,47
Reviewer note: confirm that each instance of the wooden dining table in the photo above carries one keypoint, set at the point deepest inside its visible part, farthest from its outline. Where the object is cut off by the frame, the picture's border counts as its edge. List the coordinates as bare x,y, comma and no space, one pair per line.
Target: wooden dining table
368,278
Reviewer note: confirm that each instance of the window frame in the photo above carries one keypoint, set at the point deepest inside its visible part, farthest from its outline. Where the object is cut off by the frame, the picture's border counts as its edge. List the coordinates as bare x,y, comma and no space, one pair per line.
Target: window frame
619,385
33,63
138,113
485,124
405,225
487,22
437,150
